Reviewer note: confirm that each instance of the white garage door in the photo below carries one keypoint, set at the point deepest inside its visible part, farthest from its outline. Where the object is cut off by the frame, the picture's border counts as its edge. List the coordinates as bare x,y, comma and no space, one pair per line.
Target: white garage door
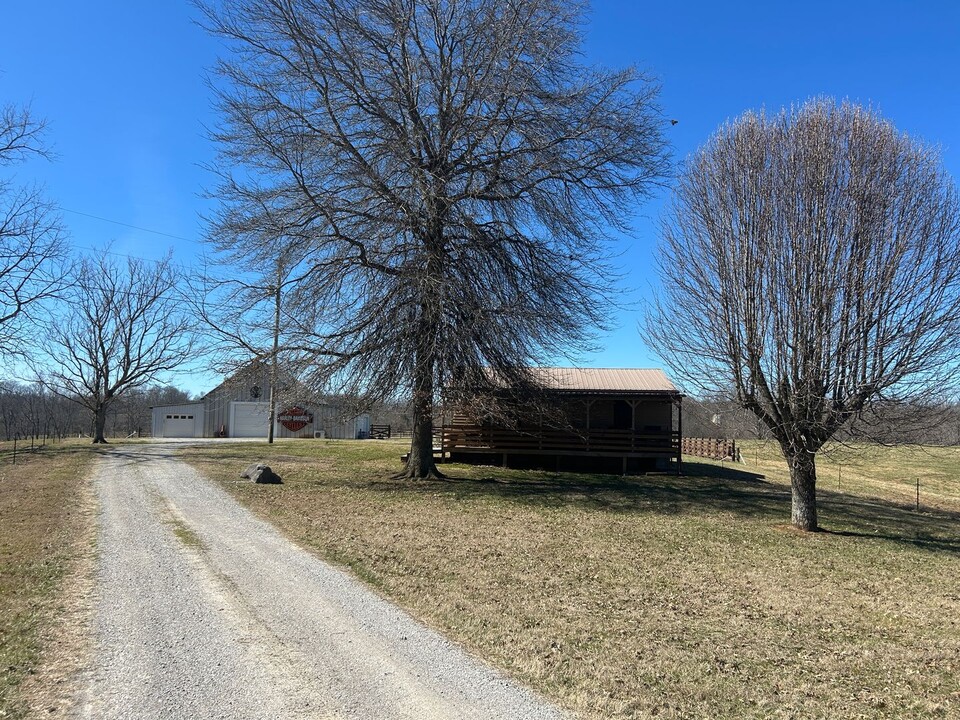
177,426
249,419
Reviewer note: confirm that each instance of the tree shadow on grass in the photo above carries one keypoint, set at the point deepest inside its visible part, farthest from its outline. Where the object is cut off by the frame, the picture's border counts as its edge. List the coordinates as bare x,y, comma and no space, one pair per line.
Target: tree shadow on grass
48,449
701,486
871,518
702,489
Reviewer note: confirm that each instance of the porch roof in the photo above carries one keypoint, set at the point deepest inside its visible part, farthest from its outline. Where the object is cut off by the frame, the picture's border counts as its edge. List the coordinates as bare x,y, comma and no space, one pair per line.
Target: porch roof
612,381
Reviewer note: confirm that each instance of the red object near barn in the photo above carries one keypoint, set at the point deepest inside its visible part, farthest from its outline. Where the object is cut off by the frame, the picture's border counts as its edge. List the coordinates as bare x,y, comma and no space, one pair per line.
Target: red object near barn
295,418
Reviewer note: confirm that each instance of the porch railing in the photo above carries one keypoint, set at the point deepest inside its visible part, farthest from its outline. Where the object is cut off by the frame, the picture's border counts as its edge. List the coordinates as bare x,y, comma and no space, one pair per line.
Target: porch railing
479,438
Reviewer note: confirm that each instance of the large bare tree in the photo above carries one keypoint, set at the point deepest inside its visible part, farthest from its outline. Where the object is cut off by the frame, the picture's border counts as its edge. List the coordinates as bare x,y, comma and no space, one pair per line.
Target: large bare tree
31,235
453,168
811,261
123,325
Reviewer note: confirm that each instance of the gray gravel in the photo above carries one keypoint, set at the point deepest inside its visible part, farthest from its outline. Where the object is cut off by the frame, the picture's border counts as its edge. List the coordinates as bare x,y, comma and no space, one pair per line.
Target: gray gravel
204,611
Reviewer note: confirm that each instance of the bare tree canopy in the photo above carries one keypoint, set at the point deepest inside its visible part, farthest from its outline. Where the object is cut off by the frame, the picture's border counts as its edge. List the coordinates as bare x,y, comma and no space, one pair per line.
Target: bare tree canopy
811,260
31,236
124,325
453,170
21,134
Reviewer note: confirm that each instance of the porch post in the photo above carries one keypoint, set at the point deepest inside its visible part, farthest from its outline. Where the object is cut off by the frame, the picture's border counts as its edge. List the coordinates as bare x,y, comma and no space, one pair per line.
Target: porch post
679,434
589,403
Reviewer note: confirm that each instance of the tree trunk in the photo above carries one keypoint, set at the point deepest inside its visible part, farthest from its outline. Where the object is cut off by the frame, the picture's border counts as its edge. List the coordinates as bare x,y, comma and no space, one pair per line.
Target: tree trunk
803,487
420,463
100,424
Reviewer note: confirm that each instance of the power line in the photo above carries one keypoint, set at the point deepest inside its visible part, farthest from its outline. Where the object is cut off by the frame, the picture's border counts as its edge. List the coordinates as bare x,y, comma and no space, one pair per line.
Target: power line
128,225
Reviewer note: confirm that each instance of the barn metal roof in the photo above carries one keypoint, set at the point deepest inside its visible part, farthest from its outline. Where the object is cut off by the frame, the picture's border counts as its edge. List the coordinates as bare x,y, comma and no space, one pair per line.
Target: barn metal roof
607,380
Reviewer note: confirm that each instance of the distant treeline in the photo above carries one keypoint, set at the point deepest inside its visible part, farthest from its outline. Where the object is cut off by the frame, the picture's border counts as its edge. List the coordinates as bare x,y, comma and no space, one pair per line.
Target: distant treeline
28,410
888,422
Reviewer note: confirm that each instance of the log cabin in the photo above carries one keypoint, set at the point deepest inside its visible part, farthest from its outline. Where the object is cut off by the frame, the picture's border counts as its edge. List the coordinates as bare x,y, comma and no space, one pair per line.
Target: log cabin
623,420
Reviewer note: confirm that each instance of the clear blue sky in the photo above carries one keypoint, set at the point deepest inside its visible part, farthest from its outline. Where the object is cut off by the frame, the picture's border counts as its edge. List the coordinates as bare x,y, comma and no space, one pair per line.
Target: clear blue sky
121,84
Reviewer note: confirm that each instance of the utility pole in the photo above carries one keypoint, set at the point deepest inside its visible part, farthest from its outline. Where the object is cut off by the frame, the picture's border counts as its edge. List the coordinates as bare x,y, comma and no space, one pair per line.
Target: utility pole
274,370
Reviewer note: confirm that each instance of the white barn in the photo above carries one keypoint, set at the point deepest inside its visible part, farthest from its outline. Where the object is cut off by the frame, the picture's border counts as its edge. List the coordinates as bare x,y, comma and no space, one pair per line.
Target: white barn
239,408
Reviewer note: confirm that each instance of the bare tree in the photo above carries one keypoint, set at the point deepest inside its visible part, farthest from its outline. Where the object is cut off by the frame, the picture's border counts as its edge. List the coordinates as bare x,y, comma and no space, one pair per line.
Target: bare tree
811,260
124,325
31,235
454,170
21,134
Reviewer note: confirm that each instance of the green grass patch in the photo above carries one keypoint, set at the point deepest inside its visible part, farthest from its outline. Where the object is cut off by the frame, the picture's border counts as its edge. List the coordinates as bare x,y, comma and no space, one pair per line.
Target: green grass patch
185,535
41,533
654,596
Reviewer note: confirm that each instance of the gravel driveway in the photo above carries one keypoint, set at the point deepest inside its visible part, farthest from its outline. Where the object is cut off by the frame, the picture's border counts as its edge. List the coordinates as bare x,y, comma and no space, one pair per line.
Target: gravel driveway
204,611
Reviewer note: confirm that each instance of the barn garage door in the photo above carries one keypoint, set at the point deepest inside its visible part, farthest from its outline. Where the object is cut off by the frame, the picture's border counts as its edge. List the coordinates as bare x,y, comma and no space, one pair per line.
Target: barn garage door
249,419
177,426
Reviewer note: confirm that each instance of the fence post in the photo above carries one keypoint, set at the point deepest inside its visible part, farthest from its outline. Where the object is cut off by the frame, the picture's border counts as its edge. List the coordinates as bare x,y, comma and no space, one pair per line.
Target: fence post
918,494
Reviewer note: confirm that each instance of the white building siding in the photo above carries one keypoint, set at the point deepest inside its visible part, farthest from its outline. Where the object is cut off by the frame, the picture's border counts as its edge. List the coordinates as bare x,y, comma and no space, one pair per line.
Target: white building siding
178,420
330,421
249,419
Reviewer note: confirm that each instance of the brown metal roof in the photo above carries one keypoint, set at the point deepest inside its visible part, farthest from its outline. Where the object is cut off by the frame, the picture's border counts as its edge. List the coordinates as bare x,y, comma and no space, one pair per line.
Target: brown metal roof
607,380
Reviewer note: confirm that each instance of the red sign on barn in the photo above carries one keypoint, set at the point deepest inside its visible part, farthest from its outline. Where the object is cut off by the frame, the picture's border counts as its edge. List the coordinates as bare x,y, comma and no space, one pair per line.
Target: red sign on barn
295,418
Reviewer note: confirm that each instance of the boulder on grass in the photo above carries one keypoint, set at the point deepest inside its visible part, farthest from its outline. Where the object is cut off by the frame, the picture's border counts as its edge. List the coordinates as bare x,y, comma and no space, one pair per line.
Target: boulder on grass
261,474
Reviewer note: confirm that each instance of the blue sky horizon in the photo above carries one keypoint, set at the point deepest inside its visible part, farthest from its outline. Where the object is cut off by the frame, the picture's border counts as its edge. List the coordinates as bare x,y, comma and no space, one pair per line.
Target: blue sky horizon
122,86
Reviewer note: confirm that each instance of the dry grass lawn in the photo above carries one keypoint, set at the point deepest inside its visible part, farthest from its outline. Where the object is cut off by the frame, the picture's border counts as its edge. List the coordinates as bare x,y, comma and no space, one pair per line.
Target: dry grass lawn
653,596
44,533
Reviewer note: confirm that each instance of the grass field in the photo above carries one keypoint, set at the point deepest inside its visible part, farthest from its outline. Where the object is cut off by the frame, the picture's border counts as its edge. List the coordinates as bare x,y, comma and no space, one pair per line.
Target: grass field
44,525
872,470
655,596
